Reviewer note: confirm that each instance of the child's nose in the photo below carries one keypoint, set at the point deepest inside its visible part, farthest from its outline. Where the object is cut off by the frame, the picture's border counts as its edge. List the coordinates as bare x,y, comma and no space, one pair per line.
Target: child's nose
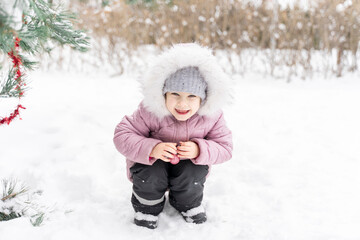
182,103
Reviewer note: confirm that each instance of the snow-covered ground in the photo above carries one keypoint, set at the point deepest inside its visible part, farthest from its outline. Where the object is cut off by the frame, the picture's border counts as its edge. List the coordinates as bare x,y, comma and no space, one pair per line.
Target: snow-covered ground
294,172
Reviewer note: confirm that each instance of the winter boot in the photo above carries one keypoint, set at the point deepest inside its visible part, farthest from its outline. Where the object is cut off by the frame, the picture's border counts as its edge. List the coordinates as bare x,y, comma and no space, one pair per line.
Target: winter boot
195,215
146,220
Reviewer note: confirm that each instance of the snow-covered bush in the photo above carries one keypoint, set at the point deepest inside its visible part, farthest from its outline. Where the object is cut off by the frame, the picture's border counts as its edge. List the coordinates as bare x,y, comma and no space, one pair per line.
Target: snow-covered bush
331,28
17,200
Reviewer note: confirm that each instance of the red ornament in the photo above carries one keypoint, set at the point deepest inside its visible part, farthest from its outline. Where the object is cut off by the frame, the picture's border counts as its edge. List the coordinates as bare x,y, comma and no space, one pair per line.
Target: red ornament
13,115
16,60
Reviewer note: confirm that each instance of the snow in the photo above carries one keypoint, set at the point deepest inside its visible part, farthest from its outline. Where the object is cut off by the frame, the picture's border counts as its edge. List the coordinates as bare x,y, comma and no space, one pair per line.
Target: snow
194,211
147,217
294,172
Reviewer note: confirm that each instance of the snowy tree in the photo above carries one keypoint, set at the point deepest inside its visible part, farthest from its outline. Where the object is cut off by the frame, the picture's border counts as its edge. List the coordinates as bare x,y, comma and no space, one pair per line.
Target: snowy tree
29,27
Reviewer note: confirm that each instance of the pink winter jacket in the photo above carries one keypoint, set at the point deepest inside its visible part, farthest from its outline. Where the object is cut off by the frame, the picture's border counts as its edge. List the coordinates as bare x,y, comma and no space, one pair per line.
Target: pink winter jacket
136,136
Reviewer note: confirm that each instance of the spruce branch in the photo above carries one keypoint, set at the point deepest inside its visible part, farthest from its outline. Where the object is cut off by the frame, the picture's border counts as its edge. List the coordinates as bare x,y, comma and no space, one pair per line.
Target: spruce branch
8,88
17,200
9,196
7,217
41,25
9,187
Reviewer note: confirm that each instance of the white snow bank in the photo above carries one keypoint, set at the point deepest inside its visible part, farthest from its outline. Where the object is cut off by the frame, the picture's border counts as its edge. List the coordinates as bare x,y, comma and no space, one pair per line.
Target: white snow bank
294,172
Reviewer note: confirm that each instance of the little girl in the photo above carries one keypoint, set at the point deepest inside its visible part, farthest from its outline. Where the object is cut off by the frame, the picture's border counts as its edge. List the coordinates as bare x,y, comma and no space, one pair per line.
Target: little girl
180,118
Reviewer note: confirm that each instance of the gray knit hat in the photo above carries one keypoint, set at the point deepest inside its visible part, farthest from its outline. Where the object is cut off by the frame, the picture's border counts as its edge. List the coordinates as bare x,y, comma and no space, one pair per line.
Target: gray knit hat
187,79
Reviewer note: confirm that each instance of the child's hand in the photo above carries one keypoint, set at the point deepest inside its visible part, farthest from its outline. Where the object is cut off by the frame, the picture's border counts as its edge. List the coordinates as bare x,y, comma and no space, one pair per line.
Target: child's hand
164,151
188,150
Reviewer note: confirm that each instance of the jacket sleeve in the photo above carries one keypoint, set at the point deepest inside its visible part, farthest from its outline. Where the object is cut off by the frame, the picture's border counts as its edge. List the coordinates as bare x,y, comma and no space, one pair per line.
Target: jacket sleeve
217,145
132,139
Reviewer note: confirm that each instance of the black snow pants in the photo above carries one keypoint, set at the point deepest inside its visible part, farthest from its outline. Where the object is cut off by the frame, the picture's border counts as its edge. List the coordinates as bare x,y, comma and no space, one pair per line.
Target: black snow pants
185,182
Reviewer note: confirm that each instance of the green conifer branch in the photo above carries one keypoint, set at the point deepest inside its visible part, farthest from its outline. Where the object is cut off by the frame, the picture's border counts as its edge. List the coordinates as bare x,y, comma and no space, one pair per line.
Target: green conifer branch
42,24
25,204
8,89
9,189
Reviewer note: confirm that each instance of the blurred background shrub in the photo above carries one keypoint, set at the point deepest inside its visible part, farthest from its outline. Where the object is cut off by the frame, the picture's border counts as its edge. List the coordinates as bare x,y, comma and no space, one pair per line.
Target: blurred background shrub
323,36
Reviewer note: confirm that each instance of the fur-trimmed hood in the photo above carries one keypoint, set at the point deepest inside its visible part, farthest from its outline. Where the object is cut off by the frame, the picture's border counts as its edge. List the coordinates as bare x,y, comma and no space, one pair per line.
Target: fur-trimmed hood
180,56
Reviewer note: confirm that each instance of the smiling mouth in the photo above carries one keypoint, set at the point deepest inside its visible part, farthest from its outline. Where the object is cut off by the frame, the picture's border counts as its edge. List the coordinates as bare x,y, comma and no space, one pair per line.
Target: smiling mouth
182,112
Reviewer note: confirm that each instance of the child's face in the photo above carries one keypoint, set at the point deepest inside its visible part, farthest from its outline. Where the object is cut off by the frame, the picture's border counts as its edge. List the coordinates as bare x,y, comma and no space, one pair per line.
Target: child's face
182,105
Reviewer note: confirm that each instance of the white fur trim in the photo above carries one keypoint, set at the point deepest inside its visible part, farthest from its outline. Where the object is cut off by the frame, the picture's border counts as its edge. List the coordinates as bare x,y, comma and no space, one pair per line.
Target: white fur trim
179,56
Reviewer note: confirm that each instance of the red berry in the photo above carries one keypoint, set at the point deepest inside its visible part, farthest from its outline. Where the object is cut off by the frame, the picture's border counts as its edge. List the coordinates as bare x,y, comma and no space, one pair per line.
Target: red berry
175,160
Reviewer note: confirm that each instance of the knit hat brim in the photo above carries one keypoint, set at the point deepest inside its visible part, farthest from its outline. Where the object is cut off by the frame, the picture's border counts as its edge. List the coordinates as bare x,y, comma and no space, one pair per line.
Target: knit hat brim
187,79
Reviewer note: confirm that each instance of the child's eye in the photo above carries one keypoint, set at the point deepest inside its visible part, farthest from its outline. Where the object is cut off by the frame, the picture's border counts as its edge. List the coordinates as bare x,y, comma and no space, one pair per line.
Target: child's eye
175,94
192,96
